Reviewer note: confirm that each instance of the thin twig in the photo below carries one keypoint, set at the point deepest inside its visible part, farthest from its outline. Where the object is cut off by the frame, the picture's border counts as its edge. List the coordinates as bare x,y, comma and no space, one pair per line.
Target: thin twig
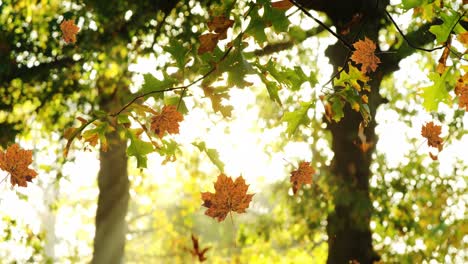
409,42
143,95
349,46
146,132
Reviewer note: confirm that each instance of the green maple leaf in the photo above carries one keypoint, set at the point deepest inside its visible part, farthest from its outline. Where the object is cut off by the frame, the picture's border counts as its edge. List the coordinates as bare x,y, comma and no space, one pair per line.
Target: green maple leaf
337,108
152,84
169,149
436,93
443,30
296,118
256,27
292,78
212,154
351,78
139,149
408,4
178,51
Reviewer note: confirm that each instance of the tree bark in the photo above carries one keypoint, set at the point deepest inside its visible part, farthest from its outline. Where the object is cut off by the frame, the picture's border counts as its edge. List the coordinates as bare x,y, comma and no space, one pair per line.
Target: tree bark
348,227
113,183
111,227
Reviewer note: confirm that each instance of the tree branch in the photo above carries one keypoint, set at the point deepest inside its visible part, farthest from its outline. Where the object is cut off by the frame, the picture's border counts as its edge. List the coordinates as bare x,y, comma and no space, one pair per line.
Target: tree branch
307,13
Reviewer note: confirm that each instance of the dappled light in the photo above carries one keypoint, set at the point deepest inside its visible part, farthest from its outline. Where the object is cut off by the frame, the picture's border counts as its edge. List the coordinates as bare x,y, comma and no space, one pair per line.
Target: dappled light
284,131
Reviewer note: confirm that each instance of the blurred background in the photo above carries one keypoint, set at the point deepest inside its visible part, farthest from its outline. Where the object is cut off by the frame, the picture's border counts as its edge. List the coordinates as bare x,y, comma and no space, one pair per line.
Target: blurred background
418,205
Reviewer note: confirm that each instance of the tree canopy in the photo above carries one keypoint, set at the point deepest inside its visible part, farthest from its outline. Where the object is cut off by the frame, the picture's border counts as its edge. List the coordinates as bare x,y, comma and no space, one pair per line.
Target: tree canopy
357,82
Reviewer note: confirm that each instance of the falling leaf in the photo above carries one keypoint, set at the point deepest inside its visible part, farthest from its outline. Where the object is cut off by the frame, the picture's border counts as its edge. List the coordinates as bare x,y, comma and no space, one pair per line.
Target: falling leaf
282,5
432,133
168,121
303,175
208,43
443,59
69,31
461,90
197,251
364,54
229,196
220,25
16,162
364,146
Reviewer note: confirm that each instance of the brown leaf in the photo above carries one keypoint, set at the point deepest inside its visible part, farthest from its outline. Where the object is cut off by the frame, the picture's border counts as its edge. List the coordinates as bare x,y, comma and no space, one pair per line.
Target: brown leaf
461,90
303,175
197,251
208,43
16,162
220,25
443,59
69,31
432,133
364,146
282,5
229,196
364,54
463,38
168,121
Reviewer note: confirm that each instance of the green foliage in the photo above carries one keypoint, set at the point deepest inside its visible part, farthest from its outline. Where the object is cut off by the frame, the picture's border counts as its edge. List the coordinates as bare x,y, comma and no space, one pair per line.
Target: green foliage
296,118
155,86
450,21
139,149
212,154
437,92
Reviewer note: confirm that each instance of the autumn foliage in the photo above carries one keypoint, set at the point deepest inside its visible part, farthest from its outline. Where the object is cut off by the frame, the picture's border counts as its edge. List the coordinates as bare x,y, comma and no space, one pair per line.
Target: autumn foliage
432,133
303,175
229,196
461,90
16,161
365,55
219,25
167,121
69,31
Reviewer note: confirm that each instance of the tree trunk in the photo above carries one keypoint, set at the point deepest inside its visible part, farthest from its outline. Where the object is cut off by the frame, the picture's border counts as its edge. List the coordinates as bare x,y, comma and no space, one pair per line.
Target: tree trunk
349,234
113,183
348,227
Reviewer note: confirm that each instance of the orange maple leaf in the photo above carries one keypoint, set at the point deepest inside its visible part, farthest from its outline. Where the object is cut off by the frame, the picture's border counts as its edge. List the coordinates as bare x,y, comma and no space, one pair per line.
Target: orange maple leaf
461,90
197,251
69,31
282,5
364,54
229,196
432,133
16,162
303,175
168,121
